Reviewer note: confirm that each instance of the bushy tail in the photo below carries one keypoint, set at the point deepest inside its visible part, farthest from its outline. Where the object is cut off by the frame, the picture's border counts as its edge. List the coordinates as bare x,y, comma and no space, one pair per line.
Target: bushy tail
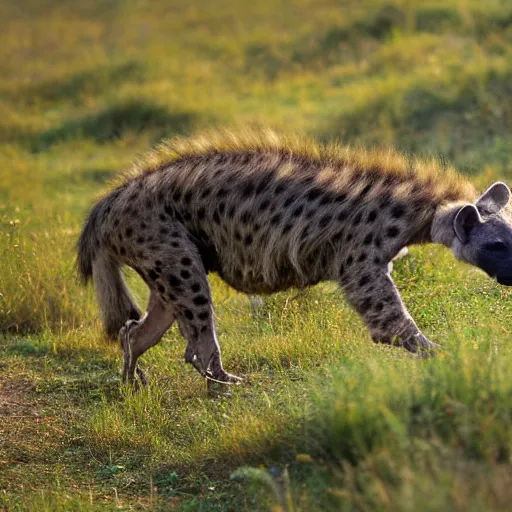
114,299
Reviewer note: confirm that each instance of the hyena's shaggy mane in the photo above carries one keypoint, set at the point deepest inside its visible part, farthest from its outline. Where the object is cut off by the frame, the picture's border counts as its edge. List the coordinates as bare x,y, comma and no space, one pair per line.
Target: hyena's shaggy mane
442,181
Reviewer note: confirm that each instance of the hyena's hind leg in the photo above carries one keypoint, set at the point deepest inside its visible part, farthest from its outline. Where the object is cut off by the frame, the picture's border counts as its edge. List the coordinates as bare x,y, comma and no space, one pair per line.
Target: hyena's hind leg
137,336
177,278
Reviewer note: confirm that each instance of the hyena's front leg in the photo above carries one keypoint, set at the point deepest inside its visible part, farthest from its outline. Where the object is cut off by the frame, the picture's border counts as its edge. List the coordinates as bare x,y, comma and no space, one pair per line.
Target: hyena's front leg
374,296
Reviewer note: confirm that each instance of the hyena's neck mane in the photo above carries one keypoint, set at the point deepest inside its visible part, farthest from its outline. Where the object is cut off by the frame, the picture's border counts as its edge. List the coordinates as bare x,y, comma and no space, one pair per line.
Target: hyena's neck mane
334,166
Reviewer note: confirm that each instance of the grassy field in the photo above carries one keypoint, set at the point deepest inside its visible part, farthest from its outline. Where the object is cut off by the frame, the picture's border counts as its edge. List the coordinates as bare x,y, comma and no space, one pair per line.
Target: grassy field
326,420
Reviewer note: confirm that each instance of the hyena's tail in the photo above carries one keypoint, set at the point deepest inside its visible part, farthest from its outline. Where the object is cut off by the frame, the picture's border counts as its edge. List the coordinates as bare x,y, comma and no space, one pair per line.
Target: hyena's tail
114,299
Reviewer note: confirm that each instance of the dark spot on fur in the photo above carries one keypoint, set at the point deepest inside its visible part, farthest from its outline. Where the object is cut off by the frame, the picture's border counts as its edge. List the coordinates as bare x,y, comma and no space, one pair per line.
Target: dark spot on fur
122,251
279,189
164,231
222,208
247,190
185,274
342,269
275,219
377,241
326,199
397,211
392,232
172,297
200,300
368,239
324,221
378,307
116,223
206,192
264,205
196,287
287,228
248,239
342,216
365,305
376,260
372,216
140,240
187,197
203,315
176,196
174,281
313,194
222,192
201,213
350,260
349,237
169,211
161,288
365,190
186,261
309,214
188,314
337,237
289,201
238,236
175,245
162,217
362,257
216,217
143,225
357,219
298,210
364,280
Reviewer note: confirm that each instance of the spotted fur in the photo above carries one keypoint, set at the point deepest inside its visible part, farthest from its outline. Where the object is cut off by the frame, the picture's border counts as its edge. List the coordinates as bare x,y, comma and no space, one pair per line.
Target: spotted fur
267,214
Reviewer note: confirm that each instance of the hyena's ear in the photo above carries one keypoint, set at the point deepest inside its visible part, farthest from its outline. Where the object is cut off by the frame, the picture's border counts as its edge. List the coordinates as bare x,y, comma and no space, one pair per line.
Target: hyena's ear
495,197
465,220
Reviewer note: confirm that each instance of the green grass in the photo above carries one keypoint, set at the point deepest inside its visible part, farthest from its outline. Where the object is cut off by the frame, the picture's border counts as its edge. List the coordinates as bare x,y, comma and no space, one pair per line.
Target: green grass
325,420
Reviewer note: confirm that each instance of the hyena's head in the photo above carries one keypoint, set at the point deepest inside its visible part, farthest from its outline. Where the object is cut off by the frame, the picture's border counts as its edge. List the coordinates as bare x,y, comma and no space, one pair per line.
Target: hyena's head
483,233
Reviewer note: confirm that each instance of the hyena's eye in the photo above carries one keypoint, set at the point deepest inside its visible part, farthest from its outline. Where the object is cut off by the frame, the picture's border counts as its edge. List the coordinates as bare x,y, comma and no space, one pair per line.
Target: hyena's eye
495,247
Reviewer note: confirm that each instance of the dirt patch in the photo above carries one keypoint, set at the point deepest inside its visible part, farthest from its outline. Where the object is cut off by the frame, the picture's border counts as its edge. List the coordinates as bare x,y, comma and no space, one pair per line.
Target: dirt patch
15,399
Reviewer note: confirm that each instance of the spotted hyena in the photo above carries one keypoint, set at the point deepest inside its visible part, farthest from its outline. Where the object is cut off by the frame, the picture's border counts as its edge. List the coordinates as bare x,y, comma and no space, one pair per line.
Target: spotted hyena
268,214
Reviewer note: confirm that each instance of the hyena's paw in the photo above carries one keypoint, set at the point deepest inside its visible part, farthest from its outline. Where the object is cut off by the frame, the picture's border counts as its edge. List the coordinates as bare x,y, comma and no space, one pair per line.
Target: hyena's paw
223,377
211,371
420,345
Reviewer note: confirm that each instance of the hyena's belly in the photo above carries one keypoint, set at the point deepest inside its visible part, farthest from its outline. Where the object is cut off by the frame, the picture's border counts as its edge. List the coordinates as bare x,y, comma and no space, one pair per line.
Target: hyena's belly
244,270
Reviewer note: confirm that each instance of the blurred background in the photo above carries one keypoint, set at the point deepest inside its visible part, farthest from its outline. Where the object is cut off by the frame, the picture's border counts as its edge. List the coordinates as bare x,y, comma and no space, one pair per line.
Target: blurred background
87,86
